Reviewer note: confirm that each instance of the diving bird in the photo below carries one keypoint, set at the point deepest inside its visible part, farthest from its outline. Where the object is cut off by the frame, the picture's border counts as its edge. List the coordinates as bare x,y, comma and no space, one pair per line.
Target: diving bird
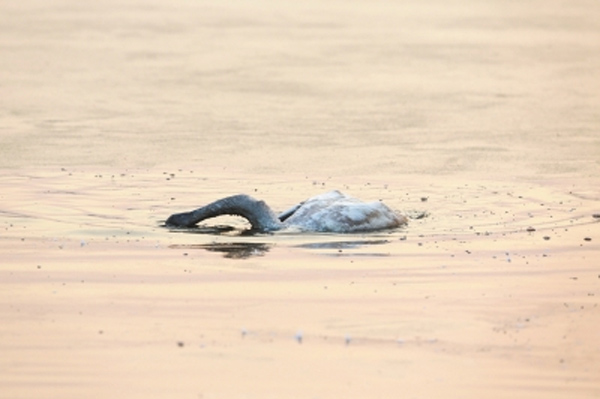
332,212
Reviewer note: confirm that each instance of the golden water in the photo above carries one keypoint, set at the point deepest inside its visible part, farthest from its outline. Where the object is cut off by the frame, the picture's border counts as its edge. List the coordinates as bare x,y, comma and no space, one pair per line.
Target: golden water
113,115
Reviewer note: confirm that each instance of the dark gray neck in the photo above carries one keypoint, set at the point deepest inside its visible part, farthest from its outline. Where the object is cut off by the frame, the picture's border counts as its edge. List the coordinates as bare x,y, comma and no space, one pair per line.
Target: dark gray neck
260,216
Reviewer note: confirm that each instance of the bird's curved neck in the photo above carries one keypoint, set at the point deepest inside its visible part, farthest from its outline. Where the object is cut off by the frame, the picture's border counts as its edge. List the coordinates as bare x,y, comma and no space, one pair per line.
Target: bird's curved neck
260,216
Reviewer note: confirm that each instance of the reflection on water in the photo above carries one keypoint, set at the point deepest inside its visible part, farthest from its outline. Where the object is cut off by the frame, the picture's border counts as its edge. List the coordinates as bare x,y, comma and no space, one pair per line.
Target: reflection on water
212,230
231,250
248,249
339,246
342,244
245,250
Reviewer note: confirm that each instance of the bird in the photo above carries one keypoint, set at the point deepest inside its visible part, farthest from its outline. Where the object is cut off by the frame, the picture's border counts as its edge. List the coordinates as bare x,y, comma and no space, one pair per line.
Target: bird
330,212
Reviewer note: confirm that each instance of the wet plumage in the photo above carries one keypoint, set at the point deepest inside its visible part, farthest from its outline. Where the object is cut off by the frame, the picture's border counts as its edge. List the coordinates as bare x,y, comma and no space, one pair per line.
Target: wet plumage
329,212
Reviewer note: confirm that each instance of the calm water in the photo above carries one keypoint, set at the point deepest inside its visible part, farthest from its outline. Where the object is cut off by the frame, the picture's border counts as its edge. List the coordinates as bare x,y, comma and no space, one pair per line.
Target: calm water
116,114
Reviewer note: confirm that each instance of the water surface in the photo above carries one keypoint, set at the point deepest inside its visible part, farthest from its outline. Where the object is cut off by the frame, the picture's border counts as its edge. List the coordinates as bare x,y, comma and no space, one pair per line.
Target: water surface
117,114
